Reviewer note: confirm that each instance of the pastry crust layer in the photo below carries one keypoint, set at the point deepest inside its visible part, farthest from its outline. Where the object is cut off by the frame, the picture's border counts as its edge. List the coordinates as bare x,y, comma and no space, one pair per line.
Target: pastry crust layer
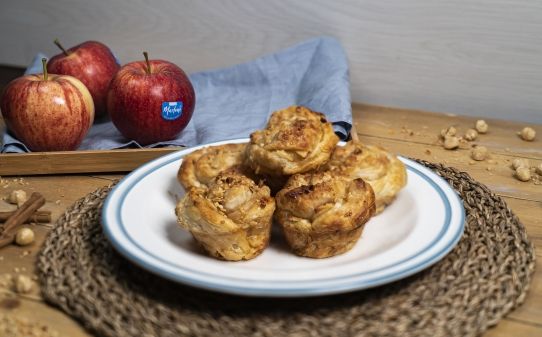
295,140
200,167
231,219
381,169
322,214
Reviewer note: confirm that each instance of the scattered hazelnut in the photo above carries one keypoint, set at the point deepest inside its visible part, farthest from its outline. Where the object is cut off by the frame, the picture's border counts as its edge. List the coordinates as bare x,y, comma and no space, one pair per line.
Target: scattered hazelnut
471,134
448,132
451,143
479,153
17,197
481,126
23,284
24,236
527,134
523,173
520,162
539,169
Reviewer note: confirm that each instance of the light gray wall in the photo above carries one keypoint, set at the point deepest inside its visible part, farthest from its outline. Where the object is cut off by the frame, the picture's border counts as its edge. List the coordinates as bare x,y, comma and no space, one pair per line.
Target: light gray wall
473,57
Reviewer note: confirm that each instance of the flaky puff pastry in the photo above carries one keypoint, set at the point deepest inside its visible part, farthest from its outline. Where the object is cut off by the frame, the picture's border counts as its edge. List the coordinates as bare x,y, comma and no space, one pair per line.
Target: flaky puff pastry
231,219
200,167
382,170
295,140
323,214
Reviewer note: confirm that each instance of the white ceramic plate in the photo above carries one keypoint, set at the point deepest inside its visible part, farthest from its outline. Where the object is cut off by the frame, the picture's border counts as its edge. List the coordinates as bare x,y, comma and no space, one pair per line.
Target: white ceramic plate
423,224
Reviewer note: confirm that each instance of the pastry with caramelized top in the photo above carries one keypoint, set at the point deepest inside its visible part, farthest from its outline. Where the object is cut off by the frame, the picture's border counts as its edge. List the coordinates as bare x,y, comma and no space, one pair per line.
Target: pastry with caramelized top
295,140
323,214
231,218
200,167
382,170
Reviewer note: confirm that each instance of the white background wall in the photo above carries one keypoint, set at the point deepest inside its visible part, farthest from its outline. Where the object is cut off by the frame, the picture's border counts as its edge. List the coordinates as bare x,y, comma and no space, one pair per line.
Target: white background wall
473,57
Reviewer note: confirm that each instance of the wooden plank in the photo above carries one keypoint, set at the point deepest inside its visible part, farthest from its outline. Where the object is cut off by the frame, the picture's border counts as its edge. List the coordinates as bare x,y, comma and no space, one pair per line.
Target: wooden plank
42,315
60,192
38,163
424,128
497,174
507,328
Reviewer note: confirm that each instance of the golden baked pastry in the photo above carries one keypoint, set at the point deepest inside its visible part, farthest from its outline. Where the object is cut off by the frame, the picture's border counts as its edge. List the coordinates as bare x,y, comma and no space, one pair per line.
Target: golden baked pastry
231,219
295,140
201,166
386,174
323,214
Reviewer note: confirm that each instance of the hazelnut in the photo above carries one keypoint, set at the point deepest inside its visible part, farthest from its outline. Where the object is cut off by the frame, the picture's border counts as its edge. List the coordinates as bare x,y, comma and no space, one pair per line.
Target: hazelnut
17,197
481,126
448,132
479,153
24,236
523,173
520,162
527,134
23,284
471,134
539,169
451,143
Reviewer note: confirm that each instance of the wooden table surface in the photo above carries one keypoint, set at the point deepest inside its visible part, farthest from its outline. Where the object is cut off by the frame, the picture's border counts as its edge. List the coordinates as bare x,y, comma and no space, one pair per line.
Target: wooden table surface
406,132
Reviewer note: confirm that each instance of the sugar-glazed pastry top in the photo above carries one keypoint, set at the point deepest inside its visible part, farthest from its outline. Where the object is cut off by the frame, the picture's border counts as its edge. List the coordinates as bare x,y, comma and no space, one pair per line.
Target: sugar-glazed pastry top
322,213
295,140
383,170
231,219
201,166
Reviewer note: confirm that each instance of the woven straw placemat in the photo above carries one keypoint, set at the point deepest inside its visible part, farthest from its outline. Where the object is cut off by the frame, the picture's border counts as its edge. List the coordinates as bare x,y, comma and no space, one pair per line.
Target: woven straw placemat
484,277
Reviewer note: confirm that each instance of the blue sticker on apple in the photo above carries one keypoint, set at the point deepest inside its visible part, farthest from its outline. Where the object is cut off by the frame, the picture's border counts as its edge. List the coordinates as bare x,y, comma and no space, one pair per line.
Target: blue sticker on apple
172,110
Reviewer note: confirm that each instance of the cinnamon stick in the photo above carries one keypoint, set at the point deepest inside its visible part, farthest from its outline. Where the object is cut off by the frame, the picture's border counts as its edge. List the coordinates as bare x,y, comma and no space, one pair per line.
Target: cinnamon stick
38,217
6,240
20,216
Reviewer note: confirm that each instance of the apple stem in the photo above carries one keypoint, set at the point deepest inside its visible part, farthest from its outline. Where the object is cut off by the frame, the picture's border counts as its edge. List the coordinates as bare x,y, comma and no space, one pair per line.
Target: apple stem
61,48
147,61
44,64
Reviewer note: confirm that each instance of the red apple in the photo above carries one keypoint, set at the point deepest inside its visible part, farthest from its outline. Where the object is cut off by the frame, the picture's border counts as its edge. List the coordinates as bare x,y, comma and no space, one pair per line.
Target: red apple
90,62
150,101
48,112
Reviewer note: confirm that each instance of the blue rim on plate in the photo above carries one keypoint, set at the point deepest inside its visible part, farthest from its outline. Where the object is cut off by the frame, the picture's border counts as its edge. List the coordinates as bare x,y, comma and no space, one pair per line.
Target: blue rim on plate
345,283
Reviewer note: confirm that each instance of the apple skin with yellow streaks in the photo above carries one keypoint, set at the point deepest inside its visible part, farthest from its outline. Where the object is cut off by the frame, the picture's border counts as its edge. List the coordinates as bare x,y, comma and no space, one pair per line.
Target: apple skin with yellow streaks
48,112
92,63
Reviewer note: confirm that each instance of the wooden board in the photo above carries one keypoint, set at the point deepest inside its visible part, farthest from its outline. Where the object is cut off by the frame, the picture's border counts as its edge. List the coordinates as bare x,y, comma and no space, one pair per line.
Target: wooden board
36,163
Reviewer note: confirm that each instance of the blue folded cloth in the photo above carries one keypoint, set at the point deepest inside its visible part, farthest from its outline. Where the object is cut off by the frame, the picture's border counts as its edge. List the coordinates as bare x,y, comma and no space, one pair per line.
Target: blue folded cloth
233,102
